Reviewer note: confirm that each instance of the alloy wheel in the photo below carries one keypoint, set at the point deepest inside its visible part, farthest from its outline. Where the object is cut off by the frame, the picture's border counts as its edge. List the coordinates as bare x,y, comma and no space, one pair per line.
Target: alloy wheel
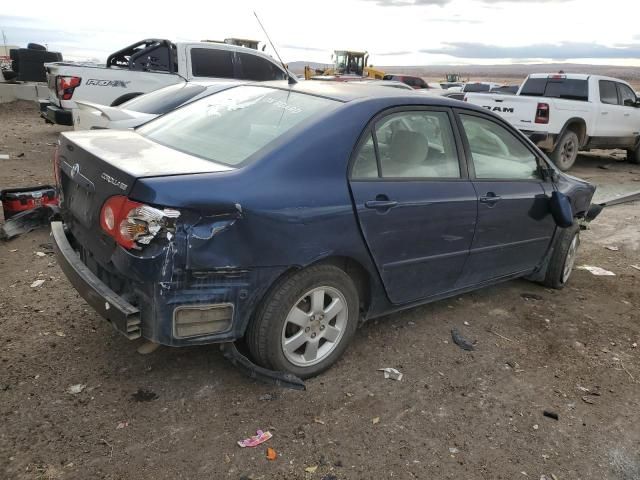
314,326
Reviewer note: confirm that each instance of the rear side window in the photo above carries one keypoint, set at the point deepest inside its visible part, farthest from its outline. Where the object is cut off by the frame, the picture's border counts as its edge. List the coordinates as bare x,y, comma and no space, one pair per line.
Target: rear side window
608,92
164,99
210,62
496,152
414,144
568,89
230,126
253,67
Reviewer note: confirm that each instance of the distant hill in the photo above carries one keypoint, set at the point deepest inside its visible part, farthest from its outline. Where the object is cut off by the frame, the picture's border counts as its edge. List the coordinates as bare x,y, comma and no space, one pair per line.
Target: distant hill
511,73
298,66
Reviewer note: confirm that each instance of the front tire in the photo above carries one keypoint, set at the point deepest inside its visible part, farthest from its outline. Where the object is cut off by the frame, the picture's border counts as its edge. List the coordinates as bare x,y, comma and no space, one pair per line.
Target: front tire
566,151
563,257
306,322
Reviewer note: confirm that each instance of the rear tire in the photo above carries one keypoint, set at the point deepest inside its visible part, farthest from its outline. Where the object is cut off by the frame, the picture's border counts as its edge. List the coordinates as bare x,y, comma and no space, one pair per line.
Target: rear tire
306,323
633,156
566,151
563,257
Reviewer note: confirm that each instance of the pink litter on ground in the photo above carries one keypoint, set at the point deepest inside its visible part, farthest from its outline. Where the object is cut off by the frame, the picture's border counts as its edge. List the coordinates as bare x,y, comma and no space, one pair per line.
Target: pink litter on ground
256,440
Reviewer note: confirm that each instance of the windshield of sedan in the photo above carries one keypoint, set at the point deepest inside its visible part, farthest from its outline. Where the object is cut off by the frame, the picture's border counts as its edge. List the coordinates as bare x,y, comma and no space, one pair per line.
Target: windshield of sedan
230,126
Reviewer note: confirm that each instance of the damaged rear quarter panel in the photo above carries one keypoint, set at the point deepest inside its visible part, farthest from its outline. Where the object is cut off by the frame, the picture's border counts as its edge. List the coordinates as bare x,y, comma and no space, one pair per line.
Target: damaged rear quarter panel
288,209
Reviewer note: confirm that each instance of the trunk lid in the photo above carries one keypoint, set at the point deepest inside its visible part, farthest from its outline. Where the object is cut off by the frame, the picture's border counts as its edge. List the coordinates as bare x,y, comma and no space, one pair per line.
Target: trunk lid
95,165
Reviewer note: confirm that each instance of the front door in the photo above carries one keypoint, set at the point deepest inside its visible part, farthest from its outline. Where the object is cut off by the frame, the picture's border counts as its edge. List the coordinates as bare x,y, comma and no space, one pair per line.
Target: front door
515,226
416,207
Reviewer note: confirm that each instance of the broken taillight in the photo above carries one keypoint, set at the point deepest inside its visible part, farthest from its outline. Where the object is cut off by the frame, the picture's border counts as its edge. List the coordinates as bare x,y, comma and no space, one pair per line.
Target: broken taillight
133,224
65,86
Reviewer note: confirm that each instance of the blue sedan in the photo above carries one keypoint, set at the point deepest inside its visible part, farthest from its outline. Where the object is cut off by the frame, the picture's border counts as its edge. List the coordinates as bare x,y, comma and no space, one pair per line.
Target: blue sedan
287,214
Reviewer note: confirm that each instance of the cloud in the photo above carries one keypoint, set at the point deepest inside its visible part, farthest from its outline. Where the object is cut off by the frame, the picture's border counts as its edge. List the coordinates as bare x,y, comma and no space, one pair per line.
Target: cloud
301,47
440,3
391,54
560,51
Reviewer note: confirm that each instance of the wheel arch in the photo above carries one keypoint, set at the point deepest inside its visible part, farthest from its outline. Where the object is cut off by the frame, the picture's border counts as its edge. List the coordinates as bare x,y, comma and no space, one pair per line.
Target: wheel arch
576,125
355,270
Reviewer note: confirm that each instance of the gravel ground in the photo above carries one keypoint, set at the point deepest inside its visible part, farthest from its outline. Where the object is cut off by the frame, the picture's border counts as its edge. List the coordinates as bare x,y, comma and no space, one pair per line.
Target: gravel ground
177,413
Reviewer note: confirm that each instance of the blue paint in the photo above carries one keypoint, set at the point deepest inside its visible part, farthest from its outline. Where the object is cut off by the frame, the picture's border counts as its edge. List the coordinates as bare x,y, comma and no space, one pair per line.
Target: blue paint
293,205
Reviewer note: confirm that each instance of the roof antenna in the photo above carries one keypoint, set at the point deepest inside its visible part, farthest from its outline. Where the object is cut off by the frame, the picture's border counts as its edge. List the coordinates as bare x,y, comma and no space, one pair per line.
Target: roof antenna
292,78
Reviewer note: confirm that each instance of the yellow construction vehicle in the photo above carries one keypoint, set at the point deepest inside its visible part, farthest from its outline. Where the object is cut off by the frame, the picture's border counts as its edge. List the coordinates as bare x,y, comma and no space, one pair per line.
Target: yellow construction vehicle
347,65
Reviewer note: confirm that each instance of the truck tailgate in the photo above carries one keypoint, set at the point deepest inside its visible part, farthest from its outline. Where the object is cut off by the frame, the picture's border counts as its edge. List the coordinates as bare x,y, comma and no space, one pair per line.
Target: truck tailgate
519,111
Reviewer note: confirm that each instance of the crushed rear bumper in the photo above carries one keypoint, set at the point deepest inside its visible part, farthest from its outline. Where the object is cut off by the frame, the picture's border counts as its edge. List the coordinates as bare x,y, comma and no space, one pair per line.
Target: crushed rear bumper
122,315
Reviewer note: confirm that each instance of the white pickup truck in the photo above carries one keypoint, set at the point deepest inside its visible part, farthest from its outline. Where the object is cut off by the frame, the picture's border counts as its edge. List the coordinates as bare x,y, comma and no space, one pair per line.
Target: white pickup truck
563,114
146,66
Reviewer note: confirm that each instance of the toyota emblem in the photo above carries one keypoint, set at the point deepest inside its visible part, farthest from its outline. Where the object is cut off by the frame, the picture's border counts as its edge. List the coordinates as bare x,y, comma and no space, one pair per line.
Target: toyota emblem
75,170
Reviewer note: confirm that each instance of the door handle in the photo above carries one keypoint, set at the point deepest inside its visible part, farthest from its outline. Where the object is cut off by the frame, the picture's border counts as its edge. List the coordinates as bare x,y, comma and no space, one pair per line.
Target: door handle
627,114
605,113
380,204
490,199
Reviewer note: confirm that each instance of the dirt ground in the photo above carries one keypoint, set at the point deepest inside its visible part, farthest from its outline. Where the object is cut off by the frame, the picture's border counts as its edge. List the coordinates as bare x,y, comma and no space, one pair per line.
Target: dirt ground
177,413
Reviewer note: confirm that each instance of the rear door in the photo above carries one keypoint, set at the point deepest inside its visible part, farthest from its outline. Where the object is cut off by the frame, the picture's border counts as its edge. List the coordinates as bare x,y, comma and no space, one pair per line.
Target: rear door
514,226
611,115
415,204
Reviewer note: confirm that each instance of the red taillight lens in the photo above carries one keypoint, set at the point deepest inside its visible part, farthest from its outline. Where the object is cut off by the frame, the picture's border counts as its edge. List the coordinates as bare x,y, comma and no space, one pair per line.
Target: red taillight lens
65,86
115,221
542,113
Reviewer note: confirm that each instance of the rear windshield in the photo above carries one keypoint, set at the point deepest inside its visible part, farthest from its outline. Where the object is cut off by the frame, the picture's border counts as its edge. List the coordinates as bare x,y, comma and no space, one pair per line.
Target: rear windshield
163,100
230,126
569,89
476,87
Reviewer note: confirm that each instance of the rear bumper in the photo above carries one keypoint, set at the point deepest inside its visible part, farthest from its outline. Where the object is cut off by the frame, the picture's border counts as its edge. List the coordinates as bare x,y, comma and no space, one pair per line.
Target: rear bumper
122,315
55,114
155,291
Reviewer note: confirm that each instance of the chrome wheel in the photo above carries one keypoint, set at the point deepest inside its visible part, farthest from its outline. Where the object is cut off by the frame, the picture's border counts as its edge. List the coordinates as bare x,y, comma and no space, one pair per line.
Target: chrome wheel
314,326
570,259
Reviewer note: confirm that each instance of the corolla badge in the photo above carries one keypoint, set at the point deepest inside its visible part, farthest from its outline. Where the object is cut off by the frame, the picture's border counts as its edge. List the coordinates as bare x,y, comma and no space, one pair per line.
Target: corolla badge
113,181
75,170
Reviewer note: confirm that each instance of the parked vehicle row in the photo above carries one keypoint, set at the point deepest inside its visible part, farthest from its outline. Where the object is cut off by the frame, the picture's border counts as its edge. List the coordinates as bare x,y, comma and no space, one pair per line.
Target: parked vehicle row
284,214
146,66
566,113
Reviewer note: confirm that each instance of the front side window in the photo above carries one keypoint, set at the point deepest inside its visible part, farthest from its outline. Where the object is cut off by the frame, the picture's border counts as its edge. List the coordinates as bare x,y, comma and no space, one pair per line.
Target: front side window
627,96
608,92
253,67
211,62
415,144
496,152
230,126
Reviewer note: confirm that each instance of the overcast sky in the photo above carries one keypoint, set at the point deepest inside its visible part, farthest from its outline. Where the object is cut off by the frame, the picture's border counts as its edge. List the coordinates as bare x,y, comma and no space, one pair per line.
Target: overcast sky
395,32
